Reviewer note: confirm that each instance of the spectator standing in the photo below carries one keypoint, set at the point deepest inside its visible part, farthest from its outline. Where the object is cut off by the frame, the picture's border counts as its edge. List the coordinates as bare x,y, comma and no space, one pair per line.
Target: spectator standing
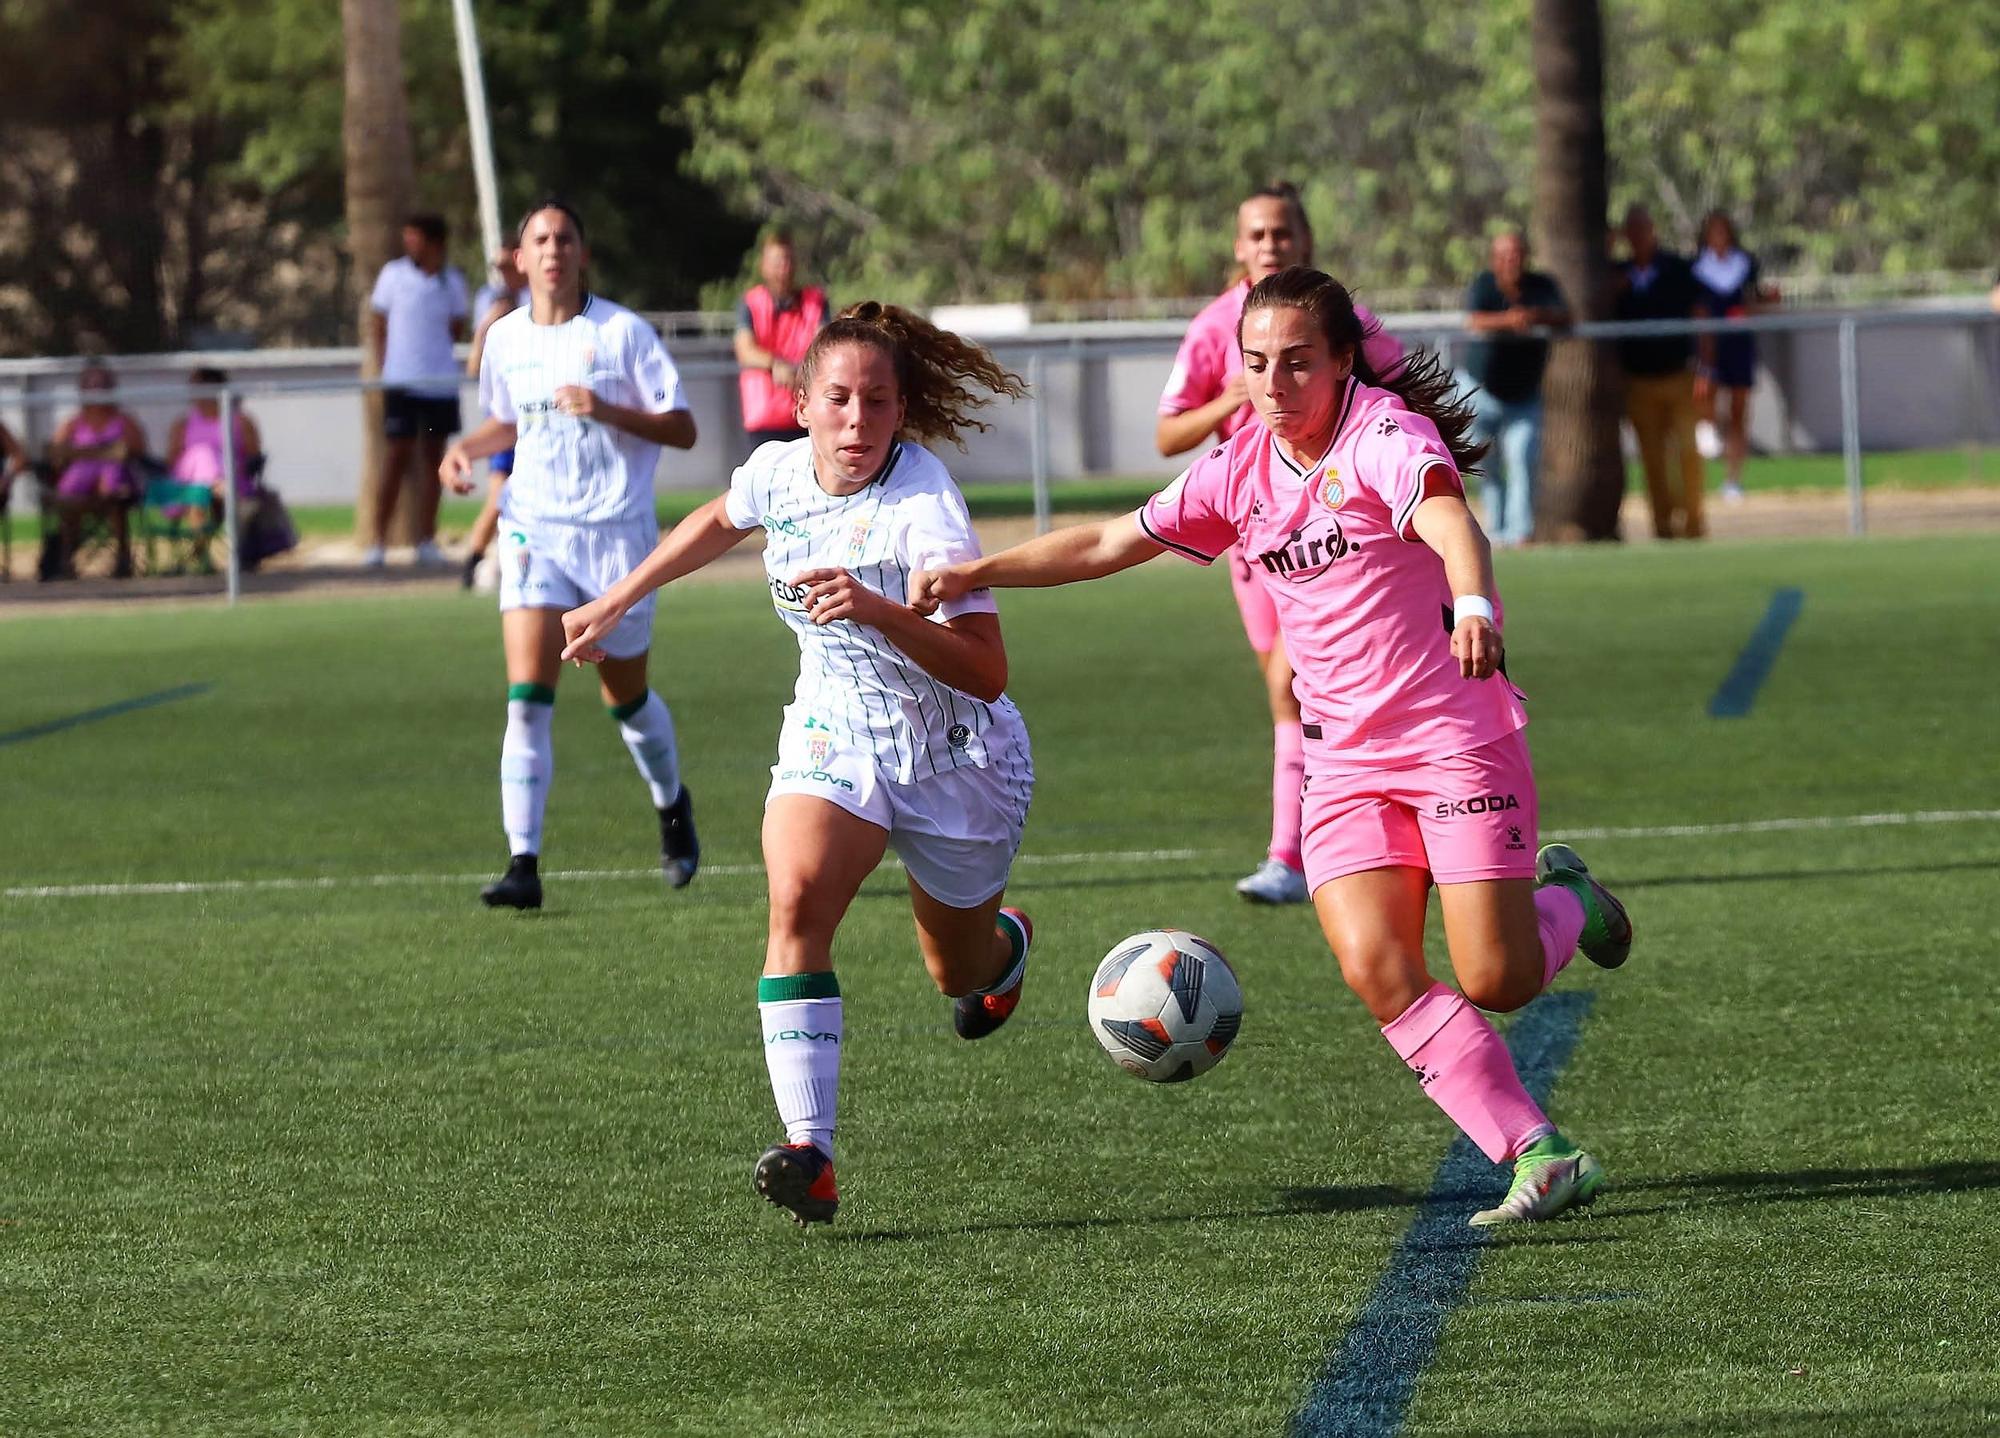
95,455
775,321
420,311
502,294
1733,286
1659,376
1503,370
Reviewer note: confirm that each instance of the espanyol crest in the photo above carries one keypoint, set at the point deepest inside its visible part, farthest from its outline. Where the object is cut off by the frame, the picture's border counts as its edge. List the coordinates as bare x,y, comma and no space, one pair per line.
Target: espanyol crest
1332,492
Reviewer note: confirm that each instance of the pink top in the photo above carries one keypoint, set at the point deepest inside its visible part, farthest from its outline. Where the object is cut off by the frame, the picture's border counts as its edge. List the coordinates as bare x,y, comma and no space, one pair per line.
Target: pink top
200,459
85,435
1209,355
1362,603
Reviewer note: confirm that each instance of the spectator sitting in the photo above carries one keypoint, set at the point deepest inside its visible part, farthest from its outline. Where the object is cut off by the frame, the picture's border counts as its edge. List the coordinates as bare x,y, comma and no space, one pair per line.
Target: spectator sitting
1734,286
775,321
1659,378
194,449
94,455
1504,371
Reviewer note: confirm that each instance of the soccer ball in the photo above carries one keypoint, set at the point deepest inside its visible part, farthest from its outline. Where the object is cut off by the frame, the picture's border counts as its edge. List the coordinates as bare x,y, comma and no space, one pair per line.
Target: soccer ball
1165,1005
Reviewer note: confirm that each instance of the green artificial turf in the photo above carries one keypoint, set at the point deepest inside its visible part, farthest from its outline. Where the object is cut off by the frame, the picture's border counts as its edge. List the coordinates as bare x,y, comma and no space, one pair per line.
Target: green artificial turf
318,1146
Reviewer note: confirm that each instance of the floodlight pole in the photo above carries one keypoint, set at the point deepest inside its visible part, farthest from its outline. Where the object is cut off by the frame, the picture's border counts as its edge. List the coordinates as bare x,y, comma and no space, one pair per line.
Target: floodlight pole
479,126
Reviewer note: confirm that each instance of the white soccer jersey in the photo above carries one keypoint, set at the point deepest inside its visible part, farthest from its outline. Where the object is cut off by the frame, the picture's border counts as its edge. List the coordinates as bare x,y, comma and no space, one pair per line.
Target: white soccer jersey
569,470
852,680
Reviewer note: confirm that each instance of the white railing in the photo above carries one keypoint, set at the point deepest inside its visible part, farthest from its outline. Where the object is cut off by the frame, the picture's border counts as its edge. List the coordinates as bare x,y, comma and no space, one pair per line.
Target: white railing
1071,347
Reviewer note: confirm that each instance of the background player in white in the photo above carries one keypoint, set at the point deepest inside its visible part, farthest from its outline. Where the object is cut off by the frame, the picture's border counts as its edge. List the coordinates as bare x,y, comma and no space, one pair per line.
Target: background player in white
585,394
899,732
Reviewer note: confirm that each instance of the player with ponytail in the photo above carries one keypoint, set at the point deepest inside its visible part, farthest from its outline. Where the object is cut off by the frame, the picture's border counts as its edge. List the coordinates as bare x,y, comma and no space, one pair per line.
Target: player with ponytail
1346,494
899,734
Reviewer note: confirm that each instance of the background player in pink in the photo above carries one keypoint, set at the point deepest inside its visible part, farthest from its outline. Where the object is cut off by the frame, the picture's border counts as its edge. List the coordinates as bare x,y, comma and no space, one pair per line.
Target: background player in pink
1205,396
1346,492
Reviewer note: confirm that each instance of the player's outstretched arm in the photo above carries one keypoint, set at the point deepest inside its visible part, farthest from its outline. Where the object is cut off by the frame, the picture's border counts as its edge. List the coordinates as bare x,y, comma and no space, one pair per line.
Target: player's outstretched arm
1445,523
700,539
1064,556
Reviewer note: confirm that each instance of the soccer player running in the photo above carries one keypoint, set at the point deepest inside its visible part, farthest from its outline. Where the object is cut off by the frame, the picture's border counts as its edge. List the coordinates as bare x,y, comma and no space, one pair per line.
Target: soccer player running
1347,489
1206,396
899,732
585,395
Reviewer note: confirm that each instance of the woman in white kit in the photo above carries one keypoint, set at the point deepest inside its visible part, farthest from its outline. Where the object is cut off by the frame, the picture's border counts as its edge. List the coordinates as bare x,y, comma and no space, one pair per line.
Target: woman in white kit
899,732
585,394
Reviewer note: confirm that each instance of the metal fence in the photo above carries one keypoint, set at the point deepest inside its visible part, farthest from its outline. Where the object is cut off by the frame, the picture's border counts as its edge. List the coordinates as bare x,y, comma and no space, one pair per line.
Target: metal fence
1092,391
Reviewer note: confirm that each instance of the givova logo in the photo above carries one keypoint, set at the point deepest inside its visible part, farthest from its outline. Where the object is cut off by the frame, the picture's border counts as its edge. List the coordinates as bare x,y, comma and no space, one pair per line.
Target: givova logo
805,1036
818,776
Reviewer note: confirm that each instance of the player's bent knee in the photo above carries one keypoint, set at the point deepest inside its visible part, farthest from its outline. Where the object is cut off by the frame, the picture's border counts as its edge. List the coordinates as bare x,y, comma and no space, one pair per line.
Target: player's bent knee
1500,992
1383,977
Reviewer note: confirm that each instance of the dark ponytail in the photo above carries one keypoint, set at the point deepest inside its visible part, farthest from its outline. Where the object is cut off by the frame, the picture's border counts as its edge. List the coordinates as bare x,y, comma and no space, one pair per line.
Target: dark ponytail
1422,382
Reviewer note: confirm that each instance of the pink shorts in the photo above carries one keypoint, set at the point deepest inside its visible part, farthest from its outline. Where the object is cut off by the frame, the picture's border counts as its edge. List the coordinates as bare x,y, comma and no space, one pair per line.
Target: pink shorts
95,479
1463,818
1253,602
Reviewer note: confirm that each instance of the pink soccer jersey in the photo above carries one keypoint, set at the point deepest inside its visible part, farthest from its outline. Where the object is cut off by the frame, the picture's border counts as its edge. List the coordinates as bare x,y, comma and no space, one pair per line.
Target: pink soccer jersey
1209,356
1362,603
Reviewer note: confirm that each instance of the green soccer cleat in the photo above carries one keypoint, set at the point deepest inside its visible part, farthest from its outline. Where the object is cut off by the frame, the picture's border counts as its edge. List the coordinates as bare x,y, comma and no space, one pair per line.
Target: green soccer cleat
1607,929
1551,1177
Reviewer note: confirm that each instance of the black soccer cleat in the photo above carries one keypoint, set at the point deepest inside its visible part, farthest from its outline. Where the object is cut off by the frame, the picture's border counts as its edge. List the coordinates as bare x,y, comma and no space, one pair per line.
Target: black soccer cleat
680,850
798,1178
976,1015
519,888
470,573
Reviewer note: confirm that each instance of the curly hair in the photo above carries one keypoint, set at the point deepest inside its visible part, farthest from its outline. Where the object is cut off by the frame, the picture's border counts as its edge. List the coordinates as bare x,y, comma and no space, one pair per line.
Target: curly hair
1424,384
941,377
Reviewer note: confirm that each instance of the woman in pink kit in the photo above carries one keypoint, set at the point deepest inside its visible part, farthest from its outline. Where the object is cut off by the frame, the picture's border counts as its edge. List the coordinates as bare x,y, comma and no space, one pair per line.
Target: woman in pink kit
1205,396
1345,493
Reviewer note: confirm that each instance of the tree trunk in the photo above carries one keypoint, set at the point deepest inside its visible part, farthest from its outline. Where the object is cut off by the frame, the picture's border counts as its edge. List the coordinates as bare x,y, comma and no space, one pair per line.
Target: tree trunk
1583,472
381,186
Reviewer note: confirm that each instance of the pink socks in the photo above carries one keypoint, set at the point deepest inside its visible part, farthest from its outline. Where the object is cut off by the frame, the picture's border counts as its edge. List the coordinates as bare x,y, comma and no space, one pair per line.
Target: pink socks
1288,777
1465,1068
1559,915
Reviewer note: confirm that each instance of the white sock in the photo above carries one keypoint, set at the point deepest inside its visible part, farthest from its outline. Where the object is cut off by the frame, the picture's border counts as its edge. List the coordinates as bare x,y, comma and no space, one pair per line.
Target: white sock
527,763
802,1040
647,727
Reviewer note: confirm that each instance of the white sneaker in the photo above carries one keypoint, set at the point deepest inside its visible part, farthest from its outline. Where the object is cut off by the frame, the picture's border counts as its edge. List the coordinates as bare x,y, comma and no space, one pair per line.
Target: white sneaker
373,558
429,556
1733,493
1275,882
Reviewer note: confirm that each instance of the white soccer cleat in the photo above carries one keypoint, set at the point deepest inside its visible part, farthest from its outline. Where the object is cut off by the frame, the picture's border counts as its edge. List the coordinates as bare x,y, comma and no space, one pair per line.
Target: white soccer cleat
429,556
1543,1190
1275,882
373,557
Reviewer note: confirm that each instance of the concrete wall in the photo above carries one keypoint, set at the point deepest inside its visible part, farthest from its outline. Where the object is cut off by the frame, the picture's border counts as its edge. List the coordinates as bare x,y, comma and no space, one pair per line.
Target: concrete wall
1923,385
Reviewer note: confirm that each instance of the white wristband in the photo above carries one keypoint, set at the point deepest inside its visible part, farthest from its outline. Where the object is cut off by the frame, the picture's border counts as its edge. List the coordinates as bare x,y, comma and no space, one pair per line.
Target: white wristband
1471,606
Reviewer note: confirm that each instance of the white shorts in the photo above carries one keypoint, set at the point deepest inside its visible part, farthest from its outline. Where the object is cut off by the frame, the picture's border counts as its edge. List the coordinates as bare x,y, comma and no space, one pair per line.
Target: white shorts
956,832
559,566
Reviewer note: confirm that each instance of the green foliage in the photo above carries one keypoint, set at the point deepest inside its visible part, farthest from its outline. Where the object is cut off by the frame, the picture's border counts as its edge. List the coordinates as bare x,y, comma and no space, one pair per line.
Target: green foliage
992,149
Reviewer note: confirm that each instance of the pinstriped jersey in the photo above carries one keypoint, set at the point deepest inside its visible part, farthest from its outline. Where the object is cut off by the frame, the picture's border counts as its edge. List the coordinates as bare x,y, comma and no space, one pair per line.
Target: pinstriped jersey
567,469
852,680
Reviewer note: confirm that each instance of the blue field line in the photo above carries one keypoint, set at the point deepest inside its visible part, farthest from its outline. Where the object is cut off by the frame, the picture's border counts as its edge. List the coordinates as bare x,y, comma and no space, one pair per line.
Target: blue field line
1369,1380
108,711
1753,666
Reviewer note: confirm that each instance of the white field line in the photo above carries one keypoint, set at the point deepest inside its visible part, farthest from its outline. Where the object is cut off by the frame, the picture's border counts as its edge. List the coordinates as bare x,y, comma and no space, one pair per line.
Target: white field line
1788,826
395,881
1112,856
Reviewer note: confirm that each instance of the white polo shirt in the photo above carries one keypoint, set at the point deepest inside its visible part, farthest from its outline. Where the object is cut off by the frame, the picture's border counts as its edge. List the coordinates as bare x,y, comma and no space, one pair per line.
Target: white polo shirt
420,309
